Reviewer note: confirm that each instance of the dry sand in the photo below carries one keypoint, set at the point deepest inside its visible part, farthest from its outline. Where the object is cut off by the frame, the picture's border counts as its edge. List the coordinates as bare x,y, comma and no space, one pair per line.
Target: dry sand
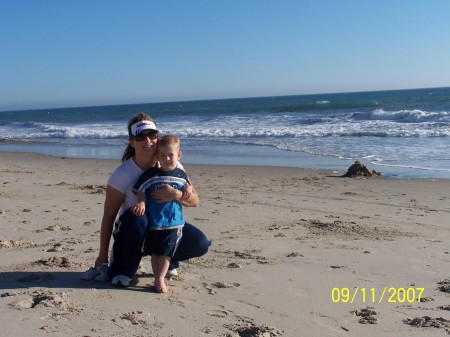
283,239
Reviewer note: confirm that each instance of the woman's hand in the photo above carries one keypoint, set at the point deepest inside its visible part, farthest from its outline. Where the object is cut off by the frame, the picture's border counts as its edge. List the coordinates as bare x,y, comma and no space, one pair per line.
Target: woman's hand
187,192
167,193
100,260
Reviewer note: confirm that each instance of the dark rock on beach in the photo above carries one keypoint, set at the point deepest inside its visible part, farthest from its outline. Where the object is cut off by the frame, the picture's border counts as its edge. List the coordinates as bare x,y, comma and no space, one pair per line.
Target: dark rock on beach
360,170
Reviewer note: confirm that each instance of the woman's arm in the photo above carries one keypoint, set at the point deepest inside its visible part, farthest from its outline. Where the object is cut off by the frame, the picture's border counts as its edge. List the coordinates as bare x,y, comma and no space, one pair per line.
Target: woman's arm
167,193
113,201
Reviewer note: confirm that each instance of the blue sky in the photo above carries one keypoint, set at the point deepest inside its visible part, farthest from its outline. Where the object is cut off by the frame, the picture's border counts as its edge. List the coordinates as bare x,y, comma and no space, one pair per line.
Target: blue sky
82,53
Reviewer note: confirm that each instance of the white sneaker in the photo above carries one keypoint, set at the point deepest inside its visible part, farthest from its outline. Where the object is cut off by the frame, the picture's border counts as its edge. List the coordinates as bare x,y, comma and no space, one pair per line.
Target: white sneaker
103,271
89,274
121,280
98,274
172,272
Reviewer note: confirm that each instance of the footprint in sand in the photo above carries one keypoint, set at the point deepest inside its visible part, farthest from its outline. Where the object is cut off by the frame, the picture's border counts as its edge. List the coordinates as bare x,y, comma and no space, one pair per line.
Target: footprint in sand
57,227
294,254
137,317
426,299
57,261
444,286
251,255
146,320
367,315
41,299
225,285
17,244
252,329
429,322
220,285
217,313
58,247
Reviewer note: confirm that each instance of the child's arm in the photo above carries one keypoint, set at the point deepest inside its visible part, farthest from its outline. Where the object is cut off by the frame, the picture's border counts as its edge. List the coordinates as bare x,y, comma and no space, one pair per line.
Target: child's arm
139,208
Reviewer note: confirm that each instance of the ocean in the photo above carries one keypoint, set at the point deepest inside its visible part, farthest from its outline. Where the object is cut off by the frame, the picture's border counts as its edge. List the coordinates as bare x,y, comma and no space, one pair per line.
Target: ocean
400,133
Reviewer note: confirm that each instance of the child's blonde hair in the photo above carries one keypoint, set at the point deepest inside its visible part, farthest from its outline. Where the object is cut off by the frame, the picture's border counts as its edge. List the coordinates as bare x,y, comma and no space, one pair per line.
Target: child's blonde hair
168,140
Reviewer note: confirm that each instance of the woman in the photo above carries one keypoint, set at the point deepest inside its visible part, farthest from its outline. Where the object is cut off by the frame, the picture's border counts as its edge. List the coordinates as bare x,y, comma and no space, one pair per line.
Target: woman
129,230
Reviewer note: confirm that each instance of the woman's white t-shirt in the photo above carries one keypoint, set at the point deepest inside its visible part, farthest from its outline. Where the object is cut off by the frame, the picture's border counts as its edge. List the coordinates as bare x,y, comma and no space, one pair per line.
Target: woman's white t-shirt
123,179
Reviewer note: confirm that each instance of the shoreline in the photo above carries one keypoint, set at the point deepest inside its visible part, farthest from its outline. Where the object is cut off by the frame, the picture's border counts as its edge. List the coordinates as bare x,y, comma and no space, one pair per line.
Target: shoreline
317,164
311,233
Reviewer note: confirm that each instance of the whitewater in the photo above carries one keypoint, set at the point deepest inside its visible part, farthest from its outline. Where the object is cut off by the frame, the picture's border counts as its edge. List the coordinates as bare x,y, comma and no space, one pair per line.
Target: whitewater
403,133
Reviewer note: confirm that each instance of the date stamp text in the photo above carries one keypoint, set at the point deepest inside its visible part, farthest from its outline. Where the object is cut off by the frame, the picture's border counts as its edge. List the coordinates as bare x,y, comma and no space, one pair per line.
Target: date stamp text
373,295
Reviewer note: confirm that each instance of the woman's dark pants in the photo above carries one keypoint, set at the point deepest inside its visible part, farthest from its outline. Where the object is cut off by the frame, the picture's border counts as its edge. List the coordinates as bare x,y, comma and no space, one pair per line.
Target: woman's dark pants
129,235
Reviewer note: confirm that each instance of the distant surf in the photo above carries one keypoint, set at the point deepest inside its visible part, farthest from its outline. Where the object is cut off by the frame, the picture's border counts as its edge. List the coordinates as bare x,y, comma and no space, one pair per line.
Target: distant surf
405,132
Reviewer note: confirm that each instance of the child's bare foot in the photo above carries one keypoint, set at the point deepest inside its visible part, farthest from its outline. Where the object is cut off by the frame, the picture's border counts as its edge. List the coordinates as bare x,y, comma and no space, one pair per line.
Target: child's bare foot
161,287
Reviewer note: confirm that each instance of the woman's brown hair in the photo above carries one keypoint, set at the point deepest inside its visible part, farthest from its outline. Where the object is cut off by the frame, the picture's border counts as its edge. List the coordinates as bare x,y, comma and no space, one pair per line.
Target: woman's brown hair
129,151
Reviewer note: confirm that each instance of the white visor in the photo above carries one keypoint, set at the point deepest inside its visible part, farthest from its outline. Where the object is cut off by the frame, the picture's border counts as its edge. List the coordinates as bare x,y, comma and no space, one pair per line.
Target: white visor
140,126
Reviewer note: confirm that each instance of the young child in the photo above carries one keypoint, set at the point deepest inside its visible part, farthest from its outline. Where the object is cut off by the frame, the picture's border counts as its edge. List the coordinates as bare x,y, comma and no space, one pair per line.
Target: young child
165,219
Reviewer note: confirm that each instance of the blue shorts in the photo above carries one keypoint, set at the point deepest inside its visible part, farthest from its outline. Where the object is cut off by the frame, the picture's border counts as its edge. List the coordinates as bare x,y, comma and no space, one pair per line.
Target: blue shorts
162,242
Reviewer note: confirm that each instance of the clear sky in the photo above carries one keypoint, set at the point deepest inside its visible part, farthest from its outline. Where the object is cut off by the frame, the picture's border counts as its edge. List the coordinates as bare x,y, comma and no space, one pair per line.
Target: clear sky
57,53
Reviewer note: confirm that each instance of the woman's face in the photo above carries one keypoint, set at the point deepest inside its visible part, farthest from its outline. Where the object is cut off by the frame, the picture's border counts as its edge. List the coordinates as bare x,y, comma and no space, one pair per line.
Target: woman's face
145,142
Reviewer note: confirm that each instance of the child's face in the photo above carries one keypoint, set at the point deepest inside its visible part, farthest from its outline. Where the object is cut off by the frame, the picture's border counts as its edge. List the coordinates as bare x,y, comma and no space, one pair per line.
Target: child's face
168,156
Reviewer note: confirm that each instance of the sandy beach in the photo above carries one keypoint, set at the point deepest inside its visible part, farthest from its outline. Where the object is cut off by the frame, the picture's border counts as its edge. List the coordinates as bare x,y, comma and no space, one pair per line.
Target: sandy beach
295,253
